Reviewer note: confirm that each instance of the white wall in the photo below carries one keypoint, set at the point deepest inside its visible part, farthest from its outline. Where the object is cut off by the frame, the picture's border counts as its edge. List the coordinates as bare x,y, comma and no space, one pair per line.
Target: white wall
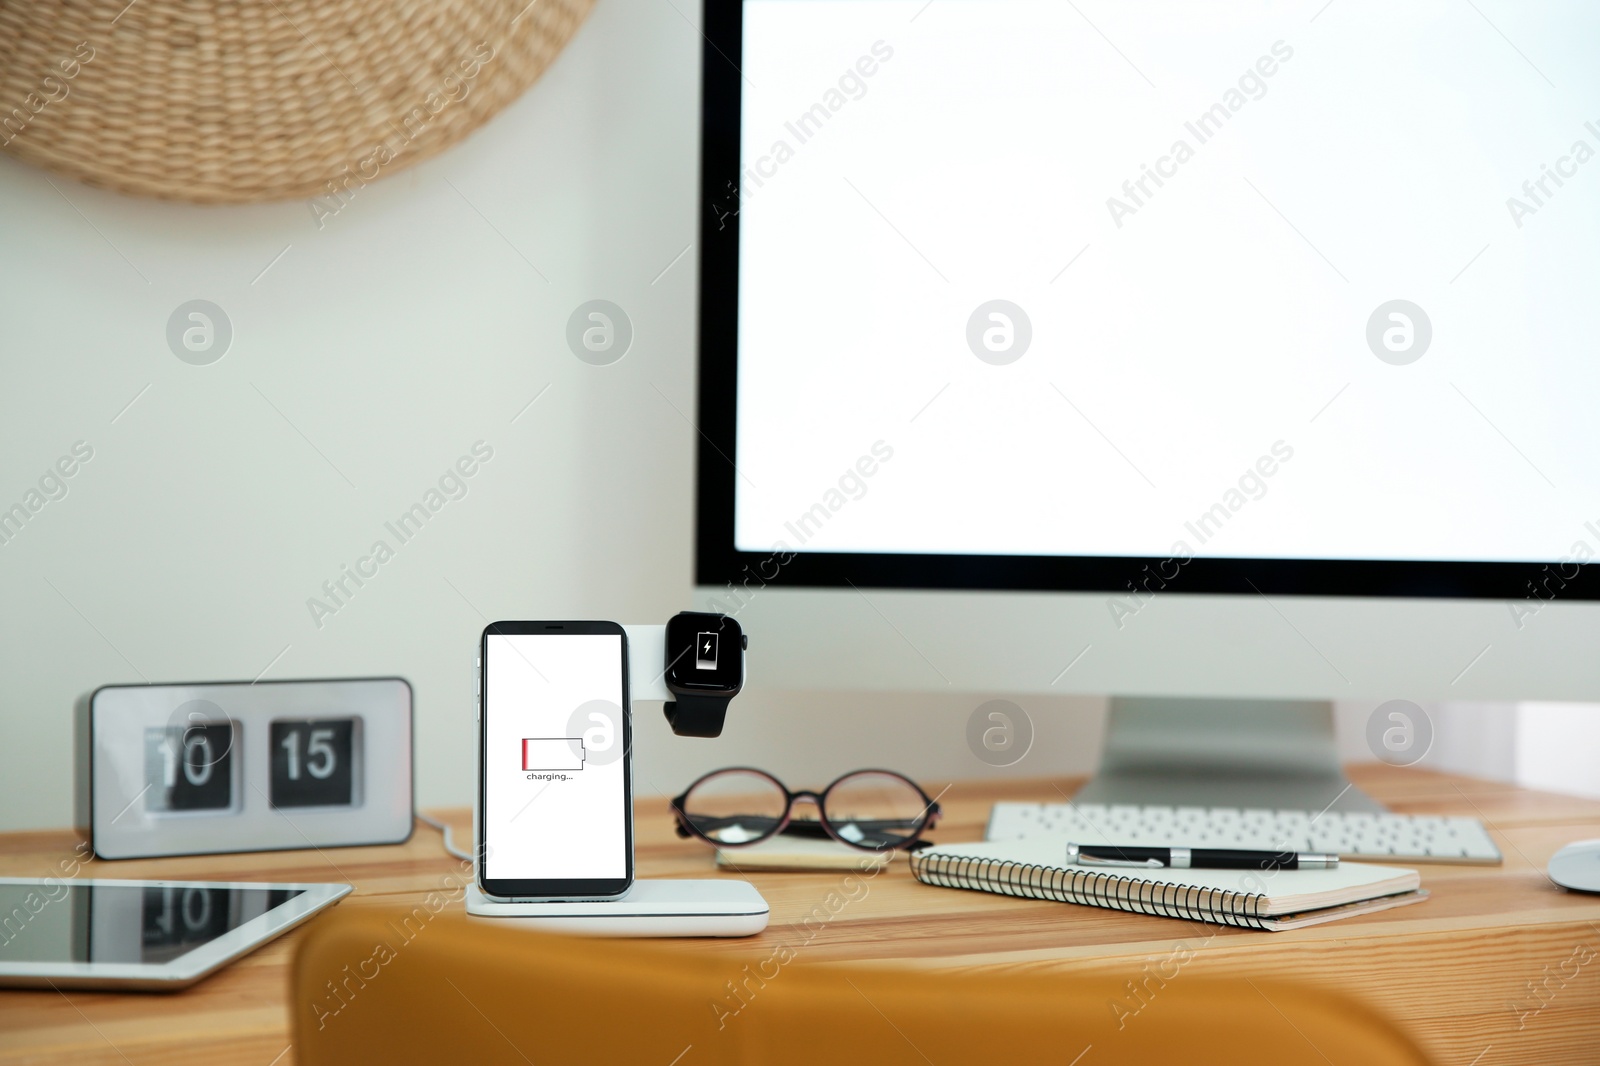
1469,738
1558,747
390,340
1552,746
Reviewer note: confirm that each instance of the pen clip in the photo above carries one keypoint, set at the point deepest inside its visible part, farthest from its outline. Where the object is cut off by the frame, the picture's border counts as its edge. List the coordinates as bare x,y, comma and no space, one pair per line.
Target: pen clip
1147,864
1076,857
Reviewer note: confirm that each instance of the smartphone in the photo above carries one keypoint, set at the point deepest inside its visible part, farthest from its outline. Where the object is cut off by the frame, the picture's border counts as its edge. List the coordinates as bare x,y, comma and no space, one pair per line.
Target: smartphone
555,803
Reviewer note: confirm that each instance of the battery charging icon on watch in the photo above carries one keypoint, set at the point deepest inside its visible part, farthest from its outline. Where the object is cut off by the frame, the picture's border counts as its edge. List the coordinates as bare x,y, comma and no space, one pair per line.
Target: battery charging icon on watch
705,651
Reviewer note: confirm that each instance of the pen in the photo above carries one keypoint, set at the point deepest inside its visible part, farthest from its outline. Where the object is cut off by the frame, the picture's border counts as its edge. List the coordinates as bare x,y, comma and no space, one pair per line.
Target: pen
1198,858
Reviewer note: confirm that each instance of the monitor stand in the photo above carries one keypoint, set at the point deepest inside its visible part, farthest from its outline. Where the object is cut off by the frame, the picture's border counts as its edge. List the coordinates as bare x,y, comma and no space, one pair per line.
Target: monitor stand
1272,754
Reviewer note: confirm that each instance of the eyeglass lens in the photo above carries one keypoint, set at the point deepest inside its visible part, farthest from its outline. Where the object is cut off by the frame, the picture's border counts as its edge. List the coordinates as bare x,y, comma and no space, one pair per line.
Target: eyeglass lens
873,809
736,807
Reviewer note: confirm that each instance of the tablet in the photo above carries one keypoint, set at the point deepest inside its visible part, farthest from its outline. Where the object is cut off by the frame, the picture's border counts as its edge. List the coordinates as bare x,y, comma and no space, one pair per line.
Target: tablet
154,935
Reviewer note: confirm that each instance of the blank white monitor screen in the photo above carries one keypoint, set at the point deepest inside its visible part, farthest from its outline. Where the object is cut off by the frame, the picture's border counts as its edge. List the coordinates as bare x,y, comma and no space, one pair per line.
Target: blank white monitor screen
1267,279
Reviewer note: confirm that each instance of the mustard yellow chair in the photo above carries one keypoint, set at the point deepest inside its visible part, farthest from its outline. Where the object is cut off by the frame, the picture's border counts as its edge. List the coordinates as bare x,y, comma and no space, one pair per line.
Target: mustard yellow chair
374,984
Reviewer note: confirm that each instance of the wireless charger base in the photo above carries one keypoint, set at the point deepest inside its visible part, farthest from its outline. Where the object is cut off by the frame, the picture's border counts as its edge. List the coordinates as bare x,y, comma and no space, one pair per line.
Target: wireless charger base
649,908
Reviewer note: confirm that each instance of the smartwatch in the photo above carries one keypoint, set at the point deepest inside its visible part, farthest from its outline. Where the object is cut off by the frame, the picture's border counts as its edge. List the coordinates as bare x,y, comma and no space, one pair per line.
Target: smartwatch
705,670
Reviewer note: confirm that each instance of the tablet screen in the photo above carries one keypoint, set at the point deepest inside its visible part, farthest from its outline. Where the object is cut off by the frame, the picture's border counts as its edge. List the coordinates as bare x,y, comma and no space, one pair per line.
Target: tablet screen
56,921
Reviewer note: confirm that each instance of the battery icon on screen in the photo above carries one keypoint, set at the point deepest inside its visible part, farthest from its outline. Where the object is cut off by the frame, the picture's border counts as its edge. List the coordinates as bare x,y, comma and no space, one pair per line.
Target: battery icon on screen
705,651
553,753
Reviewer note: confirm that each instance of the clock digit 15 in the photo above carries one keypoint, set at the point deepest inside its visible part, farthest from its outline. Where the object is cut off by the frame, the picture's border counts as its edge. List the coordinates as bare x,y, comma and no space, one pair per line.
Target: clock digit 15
313,762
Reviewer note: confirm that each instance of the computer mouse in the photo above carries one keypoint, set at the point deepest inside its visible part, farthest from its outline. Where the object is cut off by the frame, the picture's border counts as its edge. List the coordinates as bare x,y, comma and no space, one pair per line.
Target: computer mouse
1577,866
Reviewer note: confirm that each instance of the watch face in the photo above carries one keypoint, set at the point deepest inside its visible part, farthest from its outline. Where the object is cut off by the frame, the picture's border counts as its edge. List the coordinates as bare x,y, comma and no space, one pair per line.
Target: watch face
705,651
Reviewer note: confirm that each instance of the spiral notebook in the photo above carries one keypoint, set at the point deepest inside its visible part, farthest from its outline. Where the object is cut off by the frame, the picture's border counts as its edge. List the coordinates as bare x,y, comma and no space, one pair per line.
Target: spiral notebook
1037,868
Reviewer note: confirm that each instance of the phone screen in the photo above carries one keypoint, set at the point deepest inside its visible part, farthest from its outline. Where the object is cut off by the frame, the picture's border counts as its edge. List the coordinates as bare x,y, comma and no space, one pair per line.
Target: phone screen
555,760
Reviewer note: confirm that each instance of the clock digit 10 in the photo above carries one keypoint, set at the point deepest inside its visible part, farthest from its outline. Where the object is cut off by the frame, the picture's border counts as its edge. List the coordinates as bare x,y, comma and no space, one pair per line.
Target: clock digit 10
190,768
313,763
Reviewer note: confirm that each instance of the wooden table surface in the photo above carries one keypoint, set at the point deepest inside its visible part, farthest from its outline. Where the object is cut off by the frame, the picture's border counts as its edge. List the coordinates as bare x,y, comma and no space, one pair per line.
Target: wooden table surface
1499,967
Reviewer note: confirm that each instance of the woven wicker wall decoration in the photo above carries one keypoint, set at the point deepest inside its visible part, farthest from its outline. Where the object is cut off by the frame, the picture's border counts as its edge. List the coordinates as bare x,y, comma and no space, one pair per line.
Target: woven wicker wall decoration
233,101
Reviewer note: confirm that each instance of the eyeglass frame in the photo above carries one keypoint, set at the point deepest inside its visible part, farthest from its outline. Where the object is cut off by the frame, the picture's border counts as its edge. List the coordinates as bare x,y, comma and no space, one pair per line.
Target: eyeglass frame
927,820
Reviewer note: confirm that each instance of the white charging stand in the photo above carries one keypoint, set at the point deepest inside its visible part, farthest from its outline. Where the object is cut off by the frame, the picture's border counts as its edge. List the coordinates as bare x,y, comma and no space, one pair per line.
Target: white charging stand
649,908
672,907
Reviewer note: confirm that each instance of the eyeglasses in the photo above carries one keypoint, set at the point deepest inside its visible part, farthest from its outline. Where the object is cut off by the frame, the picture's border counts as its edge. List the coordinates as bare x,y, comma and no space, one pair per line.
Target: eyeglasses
868,809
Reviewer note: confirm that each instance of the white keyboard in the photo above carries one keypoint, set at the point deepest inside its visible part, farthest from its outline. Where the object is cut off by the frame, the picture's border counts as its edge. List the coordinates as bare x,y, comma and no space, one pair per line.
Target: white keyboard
1407,837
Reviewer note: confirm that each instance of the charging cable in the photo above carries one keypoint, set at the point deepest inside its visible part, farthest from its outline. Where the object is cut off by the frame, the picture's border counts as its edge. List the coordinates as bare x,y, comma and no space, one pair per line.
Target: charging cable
449,836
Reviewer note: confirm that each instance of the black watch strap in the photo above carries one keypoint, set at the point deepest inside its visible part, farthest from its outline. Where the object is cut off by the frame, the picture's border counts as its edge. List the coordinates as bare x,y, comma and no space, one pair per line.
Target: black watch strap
697,716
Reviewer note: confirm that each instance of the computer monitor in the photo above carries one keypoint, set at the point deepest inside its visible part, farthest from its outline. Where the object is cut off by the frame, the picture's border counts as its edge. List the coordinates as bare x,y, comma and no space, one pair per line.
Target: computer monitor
1169,348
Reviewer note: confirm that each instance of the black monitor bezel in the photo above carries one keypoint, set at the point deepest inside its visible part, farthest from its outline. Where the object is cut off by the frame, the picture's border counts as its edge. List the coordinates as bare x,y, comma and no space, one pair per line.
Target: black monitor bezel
719,563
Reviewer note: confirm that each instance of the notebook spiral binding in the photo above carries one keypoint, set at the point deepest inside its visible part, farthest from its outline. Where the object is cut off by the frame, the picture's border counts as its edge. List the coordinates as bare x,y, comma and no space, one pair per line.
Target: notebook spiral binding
1092,888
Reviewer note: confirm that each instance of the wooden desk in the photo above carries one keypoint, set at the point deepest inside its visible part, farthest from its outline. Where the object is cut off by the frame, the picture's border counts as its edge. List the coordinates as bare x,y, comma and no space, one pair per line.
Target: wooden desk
1485,973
